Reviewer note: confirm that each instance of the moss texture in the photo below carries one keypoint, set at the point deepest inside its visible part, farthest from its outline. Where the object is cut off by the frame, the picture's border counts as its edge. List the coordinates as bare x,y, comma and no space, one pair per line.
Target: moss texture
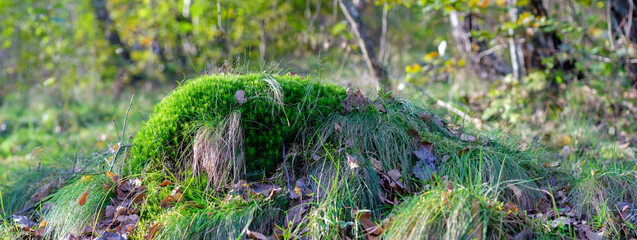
277,108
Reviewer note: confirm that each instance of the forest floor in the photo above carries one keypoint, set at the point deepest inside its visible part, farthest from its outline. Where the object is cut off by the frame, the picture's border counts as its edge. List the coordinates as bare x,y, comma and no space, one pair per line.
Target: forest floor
526,164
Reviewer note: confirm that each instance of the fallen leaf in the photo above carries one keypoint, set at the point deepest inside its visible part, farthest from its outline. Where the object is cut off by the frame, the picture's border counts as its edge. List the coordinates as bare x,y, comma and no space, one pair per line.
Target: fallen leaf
240,96
265,190
426,167
110,175
337,127
354,100
82,200
369,226
516,191
394,174
171,200
152,231
376,163
255,235
165,183
351,161
22,221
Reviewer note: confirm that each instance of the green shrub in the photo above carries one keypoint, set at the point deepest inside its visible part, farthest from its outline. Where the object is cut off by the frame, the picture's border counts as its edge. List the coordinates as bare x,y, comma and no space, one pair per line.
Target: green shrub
276,110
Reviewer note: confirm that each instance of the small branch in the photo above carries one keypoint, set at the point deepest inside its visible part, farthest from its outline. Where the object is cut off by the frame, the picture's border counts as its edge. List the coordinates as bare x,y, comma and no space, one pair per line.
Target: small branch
460,113
377,69
121,140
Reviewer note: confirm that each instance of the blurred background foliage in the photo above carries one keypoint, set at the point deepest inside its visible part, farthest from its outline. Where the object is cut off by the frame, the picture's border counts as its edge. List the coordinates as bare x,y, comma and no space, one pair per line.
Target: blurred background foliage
561,72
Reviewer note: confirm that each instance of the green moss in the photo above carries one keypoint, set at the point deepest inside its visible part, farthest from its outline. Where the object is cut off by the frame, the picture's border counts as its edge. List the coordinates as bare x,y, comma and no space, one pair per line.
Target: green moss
268,118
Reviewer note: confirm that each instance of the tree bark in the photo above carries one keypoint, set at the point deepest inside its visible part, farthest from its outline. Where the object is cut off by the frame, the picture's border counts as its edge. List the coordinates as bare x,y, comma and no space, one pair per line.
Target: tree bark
111,34
375,66
623,22
482,60
226,36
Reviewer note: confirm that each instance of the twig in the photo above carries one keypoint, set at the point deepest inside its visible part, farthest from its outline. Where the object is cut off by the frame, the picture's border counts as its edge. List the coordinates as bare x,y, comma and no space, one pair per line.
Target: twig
608,60
285,165
119,148
460,113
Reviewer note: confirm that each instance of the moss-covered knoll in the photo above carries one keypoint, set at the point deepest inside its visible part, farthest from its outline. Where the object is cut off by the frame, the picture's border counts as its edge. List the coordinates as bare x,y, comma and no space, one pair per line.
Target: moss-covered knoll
277,108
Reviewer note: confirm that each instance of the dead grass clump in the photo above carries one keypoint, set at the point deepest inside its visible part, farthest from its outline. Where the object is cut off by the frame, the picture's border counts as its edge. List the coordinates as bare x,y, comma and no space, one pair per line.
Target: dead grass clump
219,152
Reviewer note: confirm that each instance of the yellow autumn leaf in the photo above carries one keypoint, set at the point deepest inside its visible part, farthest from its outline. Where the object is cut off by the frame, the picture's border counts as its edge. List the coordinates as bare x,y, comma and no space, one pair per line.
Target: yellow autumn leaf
448,63
600,4
414,68
525,17
501,2
473,3
566,140
430,56
484,4
86,178
462,62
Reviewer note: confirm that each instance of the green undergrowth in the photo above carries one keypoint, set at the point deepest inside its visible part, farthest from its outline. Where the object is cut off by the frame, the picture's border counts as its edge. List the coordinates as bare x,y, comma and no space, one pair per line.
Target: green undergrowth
344,155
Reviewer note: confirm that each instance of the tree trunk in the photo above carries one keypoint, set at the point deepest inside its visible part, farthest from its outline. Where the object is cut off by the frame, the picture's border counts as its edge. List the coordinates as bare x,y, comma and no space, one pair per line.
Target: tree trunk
375,66
106,24
482,60
623,22
226,35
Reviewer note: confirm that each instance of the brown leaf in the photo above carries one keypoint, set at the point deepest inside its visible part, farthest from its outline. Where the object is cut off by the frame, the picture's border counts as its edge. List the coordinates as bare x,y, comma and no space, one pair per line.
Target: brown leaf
351,161
152,231
394,174
376,163
369,226
82,200
240,96
295,215
354,100
139,198
425,116
337,127
171,200
165,183
516,191
112,176
255,235
264,189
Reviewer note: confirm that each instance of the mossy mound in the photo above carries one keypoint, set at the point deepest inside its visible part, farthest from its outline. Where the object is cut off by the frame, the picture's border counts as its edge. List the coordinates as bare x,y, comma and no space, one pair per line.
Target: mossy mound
275,110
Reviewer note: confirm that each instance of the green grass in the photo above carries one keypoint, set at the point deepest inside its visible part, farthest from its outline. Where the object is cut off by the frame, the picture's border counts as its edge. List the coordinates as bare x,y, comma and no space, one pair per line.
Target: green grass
66,216
462,213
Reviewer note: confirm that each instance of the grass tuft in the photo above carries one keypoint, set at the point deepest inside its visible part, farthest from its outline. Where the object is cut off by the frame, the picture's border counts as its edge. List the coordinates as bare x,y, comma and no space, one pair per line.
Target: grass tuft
66,216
